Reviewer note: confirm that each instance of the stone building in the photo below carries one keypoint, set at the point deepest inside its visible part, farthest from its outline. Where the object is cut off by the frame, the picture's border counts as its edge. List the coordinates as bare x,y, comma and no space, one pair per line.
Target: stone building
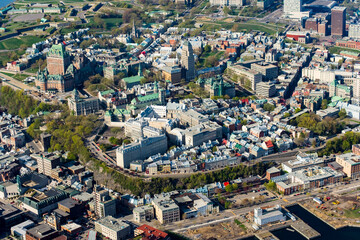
63,72
83,106
217,87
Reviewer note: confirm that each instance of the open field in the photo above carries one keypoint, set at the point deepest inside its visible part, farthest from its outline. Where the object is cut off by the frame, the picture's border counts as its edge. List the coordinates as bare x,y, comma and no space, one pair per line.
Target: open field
241,26
15,43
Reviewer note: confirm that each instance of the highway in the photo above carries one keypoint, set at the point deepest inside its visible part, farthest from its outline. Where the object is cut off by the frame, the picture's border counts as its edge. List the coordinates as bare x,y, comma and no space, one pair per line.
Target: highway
99,154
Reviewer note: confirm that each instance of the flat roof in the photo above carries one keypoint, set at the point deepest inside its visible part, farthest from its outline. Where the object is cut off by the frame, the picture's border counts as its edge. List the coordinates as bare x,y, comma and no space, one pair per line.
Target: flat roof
112,223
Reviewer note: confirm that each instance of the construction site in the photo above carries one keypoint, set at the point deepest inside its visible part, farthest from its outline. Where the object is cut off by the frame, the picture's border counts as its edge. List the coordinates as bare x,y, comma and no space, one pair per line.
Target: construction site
231,229
338,211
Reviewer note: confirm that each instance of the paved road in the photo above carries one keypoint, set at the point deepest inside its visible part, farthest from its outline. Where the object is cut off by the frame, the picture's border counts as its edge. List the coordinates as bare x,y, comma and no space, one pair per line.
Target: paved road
228,215
17,84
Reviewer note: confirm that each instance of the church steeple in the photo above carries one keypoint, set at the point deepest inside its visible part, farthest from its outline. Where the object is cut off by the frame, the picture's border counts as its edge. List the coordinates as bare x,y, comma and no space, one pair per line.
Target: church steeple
140,72
134,31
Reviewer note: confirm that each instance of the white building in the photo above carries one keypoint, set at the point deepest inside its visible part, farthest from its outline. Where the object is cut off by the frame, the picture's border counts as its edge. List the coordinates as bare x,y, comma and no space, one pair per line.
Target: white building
237,3
354,30
269,215
293,9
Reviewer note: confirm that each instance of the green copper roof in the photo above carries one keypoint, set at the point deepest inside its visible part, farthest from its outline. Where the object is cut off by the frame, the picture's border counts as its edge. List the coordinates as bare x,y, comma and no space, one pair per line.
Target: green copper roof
133,79
107,92
57,50
146,98
121,112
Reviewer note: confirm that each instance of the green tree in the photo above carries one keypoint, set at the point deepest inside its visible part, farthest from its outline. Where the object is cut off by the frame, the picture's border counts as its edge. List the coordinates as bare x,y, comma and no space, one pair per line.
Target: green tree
207,48
324,104
286,115
268,107
271,186
229,188
342,113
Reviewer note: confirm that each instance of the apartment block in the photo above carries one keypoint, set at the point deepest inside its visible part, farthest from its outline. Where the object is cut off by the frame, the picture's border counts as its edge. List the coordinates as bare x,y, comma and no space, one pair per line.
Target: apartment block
166,210
46,162
143,213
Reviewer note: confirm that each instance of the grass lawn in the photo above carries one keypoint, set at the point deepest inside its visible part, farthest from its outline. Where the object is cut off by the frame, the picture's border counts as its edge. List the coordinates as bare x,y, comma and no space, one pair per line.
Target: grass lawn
32,70
112,22
337,50
67,30
15,43
8,74
17,76
352,213
241,26
20,77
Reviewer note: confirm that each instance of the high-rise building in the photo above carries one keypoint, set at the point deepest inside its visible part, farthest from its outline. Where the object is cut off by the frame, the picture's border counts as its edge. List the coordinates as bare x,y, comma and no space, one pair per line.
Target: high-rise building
338,21
234,3
292,6
47,162
354,30
265,89
356,88
104,205
187,61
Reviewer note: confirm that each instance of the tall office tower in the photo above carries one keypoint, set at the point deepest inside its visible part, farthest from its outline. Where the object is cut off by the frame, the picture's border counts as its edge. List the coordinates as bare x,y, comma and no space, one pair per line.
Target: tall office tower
187,61
338,20
292,7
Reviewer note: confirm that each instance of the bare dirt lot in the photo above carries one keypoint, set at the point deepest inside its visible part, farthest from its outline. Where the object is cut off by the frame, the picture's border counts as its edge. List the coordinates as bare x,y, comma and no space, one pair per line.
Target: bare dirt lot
226,230
337,211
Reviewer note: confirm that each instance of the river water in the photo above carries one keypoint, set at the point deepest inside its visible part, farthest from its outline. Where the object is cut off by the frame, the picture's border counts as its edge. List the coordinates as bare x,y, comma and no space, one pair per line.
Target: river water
327,232
3,3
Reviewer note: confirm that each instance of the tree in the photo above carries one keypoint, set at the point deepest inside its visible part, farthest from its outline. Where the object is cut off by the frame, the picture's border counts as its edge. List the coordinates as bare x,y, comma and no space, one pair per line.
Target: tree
229,188
342,113
297,110
271,186
207,48
286,115
211,61
268,107
324,104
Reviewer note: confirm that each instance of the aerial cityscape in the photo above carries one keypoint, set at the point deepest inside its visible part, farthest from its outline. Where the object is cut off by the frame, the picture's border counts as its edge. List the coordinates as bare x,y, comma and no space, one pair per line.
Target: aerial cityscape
180,119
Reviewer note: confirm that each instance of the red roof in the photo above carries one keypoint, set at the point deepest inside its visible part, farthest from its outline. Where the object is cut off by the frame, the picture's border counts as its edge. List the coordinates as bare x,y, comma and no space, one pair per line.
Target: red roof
152,233
269,144
224,142
226,183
